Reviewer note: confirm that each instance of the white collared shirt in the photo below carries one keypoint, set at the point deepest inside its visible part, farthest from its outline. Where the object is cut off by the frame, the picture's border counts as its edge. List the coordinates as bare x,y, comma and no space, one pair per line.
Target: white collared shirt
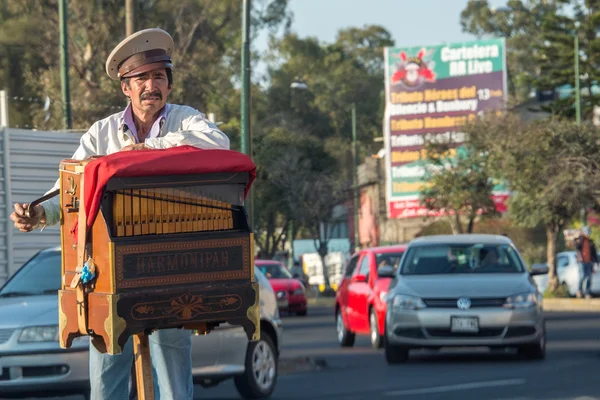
129,123
182,126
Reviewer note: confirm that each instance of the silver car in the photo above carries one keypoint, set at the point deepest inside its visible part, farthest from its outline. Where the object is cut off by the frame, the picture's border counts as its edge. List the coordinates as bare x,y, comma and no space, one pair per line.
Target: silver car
463,290
32,363
568,271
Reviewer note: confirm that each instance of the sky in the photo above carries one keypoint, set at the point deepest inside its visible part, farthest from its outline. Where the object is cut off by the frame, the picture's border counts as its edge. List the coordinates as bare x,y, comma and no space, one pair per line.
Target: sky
411,22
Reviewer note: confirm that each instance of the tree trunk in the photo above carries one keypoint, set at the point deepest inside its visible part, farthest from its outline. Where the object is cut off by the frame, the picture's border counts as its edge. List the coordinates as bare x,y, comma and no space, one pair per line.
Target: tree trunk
323,253
321,246
471,223
452,225
459,227
551,236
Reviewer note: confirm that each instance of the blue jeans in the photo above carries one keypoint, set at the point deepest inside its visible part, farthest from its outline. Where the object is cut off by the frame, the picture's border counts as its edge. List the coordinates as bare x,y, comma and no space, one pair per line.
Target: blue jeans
586,278
171,353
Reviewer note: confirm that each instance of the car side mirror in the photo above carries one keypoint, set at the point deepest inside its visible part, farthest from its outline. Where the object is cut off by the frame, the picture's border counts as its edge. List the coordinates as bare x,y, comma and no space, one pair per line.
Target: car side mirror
359,278
539,269
386,271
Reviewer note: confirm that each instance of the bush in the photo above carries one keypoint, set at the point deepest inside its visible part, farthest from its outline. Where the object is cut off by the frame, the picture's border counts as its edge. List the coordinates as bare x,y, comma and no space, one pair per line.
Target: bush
561,292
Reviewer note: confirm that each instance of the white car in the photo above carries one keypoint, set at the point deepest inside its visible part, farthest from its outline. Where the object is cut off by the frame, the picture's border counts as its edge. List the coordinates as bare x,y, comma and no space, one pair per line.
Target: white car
33,364
568,271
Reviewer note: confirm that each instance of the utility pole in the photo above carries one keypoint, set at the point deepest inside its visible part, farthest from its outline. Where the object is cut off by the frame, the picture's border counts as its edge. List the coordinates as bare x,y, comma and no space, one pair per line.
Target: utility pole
64,64
129,17
246,136
577,89
355,177
578,109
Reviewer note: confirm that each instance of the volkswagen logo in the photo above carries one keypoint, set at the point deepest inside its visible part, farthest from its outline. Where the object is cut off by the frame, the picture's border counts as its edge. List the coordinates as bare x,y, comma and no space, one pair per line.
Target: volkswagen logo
464,303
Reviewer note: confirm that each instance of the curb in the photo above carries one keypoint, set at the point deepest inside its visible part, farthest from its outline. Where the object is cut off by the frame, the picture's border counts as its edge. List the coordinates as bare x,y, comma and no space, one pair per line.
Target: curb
321,301
585,305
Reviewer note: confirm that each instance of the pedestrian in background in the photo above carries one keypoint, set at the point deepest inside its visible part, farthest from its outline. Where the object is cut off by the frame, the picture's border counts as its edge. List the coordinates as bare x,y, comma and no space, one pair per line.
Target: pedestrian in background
587,257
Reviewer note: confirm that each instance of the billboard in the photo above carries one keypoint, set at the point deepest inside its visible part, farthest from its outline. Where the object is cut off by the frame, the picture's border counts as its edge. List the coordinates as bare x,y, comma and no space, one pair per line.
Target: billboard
431,91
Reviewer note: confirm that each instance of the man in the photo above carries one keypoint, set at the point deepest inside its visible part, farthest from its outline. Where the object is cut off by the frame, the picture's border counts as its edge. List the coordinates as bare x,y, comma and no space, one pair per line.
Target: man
142,63
587,257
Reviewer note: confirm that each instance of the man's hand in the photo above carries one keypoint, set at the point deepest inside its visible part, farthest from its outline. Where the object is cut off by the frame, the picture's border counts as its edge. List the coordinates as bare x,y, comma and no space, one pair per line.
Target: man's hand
137,146
25,223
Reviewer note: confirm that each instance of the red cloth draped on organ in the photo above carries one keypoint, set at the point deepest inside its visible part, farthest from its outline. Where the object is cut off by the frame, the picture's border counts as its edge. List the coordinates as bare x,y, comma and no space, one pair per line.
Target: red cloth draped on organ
179,160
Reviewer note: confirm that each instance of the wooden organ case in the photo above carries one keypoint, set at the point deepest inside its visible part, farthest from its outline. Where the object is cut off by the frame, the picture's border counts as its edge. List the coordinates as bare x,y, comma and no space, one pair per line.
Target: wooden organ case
172,251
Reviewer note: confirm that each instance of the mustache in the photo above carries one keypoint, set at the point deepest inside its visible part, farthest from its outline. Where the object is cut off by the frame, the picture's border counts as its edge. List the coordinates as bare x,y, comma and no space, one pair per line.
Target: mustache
156,93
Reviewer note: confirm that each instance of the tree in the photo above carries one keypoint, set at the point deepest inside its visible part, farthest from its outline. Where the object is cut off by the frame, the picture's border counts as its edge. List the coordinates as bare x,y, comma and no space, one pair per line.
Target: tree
339,74
520,23
312,197
540,46
458,186
555,54
273,146
206,55
551,167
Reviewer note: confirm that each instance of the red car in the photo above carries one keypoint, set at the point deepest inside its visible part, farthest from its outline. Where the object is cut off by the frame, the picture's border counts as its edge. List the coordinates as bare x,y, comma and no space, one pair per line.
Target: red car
360,298
290,292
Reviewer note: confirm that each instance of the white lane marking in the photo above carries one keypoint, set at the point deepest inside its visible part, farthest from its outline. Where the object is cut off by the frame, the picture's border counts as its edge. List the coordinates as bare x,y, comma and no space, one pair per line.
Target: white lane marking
457,387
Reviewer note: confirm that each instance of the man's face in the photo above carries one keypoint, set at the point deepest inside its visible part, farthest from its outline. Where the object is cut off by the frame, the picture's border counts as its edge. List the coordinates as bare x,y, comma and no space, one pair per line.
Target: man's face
148,92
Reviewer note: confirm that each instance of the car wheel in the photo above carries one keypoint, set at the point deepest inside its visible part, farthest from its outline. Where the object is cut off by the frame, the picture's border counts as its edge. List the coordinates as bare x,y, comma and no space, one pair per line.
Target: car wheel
258,381
344,336
302,313
537,350
376,342
394,354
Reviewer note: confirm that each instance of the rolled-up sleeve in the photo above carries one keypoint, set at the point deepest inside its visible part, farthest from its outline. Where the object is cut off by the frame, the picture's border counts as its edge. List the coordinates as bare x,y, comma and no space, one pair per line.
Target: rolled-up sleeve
87,148
196,131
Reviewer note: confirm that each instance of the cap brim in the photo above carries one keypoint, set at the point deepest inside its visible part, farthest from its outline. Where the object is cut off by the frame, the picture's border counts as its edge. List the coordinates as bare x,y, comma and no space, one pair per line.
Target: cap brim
147,68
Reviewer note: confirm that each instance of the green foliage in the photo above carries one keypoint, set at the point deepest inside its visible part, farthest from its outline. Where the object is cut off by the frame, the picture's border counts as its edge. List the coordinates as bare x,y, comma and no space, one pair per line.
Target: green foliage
551,167
520,24
561,292
458,182
206,55
540,46
339,74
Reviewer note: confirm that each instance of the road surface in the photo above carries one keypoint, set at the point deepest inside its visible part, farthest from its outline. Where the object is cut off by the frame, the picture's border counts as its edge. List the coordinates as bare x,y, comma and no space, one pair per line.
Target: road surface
570,371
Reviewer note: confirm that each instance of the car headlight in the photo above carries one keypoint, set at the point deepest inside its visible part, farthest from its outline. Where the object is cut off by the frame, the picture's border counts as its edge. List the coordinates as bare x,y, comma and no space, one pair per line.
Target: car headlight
403,302
39,334
281,294
383,296
522,300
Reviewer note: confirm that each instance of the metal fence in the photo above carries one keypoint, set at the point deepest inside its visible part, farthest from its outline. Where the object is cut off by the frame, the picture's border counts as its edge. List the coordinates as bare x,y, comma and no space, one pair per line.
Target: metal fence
29,162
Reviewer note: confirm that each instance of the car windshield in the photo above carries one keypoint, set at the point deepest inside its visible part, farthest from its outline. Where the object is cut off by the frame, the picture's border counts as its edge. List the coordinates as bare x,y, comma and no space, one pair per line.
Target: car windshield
39,275
392,259
461,258
275,271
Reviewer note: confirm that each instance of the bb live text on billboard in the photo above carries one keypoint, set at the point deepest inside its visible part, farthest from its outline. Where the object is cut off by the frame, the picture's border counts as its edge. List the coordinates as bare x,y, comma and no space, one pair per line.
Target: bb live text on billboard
431,92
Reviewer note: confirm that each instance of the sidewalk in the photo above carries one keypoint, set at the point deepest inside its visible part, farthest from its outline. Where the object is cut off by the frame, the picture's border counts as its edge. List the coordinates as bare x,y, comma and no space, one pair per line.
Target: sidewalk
586,305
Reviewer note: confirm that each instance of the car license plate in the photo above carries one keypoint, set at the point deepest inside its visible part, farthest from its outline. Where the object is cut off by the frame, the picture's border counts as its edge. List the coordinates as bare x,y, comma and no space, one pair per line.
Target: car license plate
464,324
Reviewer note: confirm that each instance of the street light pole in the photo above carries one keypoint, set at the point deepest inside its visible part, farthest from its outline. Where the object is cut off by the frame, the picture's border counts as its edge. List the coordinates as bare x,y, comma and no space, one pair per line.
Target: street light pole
354,176
246,138
64,64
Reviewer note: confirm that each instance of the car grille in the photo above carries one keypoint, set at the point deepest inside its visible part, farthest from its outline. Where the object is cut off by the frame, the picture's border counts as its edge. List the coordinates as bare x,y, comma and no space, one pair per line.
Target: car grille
5,334
475,303
484,332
